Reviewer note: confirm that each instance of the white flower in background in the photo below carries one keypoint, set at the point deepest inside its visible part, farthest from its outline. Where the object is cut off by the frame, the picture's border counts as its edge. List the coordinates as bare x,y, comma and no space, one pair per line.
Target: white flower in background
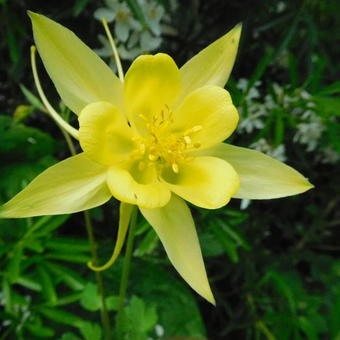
153,14
245,203
121,14
297,103
309,130
159,330
280,7
251,122
242,84
251,112
275,152
133,38
106,49
329,156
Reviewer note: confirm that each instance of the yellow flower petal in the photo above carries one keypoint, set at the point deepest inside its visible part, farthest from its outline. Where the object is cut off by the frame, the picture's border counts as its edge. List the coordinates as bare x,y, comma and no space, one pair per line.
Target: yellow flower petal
210,110
262,177
212,65
137,186
79,75
72,185
207,182
125,211
104,133
151,85
176,230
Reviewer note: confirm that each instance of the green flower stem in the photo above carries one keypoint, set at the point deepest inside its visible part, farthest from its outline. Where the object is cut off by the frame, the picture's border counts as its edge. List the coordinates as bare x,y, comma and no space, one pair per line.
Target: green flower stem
104,315
100,282
125,275
69,142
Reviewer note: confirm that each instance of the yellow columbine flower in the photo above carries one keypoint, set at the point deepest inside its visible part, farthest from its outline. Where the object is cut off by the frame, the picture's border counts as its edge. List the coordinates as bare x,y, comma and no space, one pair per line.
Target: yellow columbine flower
152,140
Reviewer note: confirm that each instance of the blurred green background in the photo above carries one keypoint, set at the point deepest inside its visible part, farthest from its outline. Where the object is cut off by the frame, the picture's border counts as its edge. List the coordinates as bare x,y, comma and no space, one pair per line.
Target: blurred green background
274,265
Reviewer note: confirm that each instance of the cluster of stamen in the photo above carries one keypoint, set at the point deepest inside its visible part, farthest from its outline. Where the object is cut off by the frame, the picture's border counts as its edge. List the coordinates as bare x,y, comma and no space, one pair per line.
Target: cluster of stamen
161,147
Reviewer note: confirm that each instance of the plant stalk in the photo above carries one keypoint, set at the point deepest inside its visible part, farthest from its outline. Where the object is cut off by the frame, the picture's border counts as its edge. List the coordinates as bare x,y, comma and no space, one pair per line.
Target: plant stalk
125,275
104,315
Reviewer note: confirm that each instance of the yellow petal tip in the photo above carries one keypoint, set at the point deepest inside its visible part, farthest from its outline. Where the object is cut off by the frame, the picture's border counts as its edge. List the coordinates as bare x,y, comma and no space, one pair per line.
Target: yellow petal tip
32,15
210,298
236,31
309,185
303,185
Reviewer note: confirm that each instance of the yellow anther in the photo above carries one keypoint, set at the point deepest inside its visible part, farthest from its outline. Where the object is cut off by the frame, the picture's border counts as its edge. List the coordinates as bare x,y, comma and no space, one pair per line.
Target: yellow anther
153,157
175,168
143,117
194,129
197,128
197,145
187,140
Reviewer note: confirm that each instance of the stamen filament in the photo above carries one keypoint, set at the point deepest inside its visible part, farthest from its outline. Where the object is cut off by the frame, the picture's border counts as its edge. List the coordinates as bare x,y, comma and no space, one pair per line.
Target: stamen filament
114,50
57,118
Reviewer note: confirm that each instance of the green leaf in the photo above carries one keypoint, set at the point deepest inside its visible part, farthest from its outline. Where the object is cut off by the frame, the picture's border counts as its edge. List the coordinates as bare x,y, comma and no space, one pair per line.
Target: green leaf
48,289
90,331
32,99
112,303
329,90
69,336
12,44
90,299
308,328
34,245
20,142
235,235
139,318
22,112
68,276
283,286
211,246
79,6
46,224
68,299
29,283
36,328
60,316
328,106
148,243
7,295
177,308
13,267
229,245
261,67
68,245
334,318
293,70
73,258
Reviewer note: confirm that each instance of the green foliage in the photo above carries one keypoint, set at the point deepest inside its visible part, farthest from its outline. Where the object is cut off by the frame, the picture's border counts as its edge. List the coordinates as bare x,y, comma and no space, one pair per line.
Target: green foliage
273,266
